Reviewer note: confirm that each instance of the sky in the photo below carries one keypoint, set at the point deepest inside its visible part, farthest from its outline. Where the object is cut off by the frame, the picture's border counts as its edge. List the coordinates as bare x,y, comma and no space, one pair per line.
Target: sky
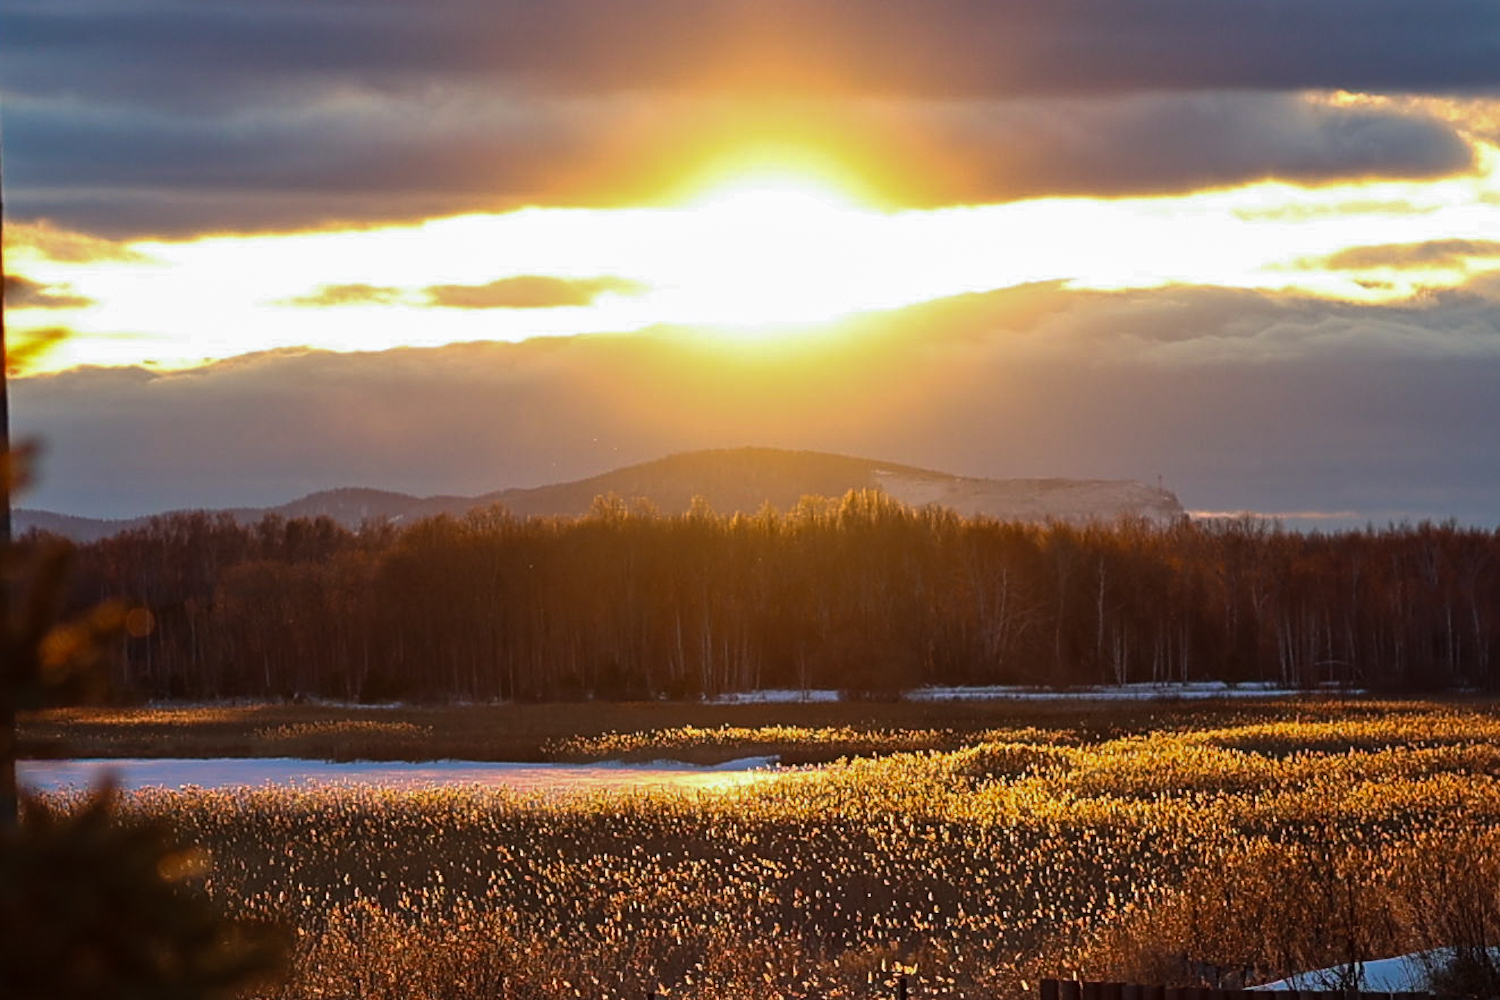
257,248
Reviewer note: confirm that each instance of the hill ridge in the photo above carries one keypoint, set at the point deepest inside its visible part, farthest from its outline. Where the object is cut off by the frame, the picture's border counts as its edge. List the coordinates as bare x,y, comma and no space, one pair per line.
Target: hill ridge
730,479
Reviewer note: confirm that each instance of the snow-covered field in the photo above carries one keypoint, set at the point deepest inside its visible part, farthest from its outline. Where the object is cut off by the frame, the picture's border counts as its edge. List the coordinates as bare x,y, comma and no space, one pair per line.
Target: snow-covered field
1403,974
1190,690
233,772
1193,690
775,696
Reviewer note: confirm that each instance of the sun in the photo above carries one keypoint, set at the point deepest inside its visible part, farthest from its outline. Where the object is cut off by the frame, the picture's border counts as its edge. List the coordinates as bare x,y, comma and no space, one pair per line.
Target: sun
775,193
777,168
770,248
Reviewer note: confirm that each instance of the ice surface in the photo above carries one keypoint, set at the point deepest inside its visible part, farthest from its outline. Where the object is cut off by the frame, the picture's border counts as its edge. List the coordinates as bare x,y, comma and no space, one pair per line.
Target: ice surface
232,772
1191,690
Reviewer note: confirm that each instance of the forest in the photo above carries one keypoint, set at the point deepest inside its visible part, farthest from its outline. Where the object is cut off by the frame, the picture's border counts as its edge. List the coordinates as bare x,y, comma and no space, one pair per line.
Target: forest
859,594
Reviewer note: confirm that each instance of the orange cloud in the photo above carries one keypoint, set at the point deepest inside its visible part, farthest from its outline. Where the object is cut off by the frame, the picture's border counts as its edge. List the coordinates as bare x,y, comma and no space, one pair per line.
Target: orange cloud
346,295
64,245
530,291
1431,255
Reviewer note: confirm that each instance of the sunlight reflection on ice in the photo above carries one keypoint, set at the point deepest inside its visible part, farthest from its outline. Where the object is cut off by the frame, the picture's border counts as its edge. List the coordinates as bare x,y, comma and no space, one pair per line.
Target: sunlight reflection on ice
132,773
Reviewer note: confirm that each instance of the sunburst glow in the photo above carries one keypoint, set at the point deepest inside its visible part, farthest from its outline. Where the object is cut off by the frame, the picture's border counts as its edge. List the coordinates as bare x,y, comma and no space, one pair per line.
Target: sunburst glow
746,258
772,248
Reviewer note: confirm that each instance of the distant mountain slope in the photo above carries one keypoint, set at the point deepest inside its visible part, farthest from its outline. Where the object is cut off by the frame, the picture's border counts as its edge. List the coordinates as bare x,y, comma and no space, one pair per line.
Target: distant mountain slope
736,479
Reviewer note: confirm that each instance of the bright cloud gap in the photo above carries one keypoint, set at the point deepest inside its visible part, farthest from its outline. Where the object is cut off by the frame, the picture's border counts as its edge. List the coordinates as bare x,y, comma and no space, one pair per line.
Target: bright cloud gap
758,260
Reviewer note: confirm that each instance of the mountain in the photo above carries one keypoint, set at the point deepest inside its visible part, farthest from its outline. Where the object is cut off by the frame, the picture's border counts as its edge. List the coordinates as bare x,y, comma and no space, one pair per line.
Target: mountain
735,479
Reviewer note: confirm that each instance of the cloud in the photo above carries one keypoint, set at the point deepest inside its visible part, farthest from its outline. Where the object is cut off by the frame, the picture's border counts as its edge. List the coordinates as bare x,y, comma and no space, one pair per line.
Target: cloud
23,293
303,115
346,295
1193,329
530,292
1238,400
26,346
1486,284
1431,255
402,157
941,48
1158,143
65,246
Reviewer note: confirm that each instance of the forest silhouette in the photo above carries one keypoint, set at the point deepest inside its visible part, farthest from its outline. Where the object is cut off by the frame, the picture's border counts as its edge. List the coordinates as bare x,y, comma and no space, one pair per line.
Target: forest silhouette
859,594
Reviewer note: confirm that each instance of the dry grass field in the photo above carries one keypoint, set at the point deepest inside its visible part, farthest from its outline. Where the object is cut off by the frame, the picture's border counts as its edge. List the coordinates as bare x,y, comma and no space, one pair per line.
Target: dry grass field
1256,840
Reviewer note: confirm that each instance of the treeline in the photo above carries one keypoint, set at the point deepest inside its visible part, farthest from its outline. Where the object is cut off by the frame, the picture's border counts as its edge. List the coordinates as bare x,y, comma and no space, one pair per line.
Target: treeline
860,594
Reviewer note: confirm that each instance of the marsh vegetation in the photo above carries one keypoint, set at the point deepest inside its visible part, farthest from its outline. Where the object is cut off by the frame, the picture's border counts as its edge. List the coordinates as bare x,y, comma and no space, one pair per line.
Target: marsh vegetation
1249,845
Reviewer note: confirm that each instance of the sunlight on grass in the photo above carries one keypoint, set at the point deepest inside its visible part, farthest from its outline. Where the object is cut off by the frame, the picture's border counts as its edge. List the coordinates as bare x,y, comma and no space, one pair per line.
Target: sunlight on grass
176,715
822,742
342,739
1258,847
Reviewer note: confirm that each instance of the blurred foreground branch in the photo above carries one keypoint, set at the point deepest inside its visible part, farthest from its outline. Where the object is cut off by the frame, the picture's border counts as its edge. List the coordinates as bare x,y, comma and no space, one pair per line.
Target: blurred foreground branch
95,906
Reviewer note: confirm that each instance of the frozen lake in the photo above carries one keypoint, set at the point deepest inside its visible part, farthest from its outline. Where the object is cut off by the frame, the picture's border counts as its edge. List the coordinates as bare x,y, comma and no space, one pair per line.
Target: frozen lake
234,772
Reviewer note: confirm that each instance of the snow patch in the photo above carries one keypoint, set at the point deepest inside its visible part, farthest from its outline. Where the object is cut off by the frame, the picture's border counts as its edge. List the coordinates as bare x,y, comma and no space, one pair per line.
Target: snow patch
1125,692
1408,973
1191,690
775,696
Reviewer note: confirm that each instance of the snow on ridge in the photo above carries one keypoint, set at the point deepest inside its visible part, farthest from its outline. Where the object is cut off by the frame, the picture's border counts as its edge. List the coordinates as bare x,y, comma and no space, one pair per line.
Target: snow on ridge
1077,501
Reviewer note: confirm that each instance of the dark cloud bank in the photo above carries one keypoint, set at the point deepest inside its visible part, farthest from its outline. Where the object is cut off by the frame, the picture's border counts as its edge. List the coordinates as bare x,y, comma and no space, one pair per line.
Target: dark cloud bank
941,48
1239,400
168,117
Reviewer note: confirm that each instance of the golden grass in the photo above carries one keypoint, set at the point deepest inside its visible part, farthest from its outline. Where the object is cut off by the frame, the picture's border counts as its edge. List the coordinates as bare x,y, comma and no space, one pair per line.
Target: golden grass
793,744
1150,856
344,739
